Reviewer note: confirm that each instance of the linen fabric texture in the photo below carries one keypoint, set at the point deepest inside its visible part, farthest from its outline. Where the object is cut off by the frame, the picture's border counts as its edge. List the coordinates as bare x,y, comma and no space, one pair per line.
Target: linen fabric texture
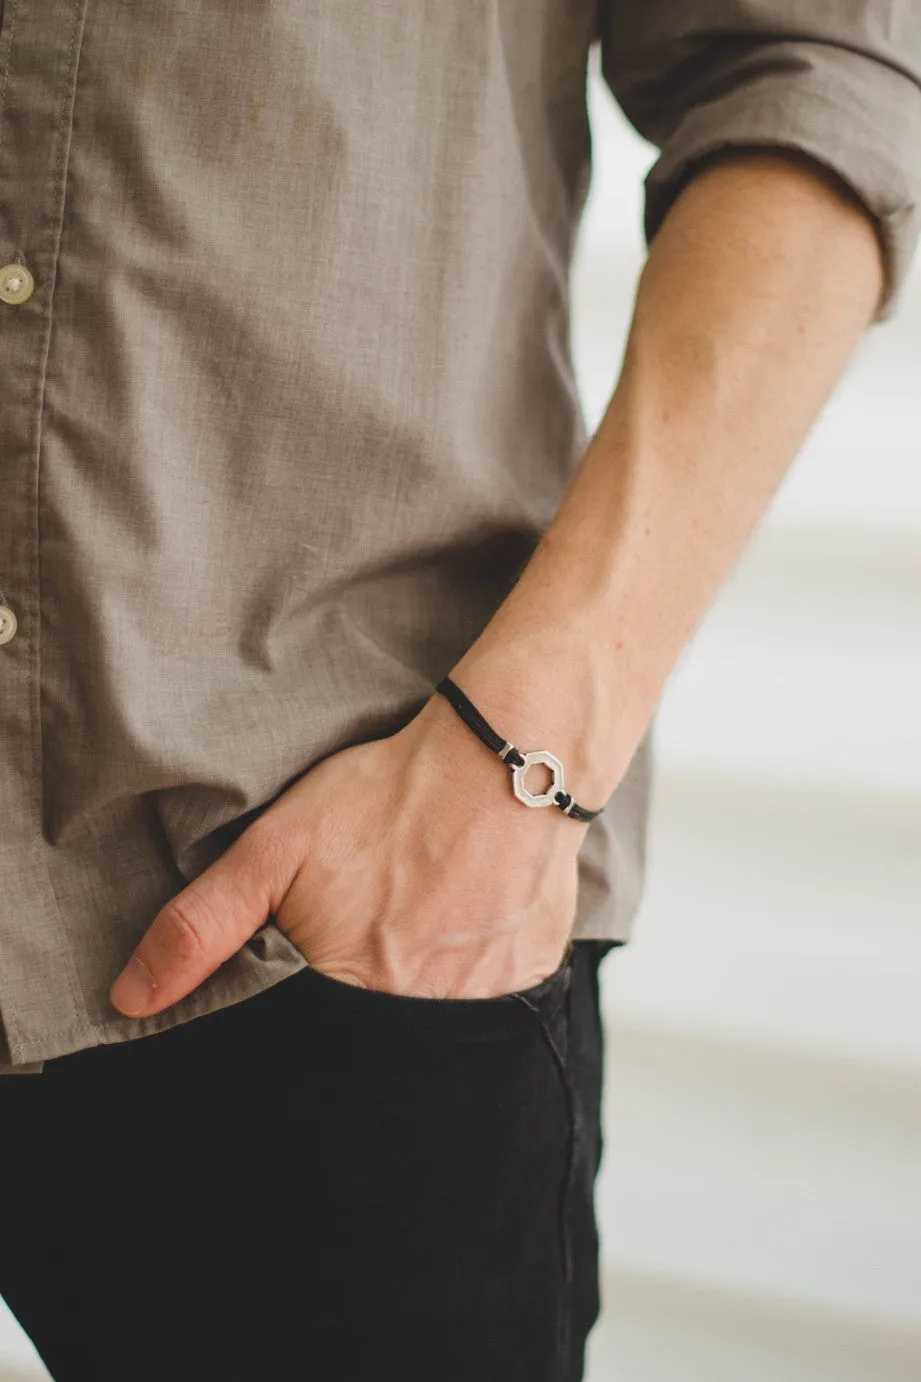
292,400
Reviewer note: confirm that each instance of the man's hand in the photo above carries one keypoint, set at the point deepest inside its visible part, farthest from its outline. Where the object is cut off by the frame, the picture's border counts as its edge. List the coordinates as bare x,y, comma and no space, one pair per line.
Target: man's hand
404,865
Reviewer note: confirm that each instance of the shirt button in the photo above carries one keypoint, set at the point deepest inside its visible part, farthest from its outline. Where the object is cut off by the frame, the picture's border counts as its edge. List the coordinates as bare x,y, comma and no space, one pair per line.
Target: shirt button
7,624
16,283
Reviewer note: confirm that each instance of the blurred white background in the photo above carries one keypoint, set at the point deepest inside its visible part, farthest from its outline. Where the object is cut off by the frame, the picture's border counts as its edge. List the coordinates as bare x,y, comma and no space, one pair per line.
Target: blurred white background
760,1200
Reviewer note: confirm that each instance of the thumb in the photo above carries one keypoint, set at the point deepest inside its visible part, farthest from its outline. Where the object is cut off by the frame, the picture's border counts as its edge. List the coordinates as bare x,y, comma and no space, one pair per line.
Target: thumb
207,922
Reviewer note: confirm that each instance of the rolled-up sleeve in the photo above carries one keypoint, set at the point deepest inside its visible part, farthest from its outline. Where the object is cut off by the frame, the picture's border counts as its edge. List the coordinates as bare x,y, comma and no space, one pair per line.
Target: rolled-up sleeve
837,80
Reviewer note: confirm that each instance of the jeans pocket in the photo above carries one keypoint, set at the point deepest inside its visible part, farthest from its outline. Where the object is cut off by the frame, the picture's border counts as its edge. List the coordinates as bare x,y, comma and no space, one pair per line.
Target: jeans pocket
501,1012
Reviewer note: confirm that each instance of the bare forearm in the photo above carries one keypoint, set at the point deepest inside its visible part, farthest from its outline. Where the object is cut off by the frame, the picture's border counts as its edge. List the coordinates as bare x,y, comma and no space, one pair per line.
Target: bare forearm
756,291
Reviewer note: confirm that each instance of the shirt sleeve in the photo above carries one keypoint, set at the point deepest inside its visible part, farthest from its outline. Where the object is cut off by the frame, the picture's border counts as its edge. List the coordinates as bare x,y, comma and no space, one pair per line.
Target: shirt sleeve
837,80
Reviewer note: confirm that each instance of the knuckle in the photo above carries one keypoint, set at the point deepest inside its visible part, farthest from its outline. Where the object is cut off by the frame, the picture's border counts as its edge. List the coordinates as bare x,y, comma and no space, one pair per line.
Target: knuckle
189,928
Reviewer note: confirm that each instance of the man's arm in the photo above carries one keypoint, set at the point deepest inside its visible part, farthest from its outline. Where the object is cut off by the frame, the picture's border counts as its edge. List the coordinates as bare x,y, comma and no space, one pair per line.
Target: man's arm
406,865
755,293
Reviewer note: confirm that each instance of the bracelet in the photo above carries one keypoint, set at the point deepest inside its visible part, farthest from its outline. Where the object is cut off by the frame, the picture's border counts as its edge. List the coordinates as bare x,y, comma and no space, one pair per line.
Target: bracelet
555,795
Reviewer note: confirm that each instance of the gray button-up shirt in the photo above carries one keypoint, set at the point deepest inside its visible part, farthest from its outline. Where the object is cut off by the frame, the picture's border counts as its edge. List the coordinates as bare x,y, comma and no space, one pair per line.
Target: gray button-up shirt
287,398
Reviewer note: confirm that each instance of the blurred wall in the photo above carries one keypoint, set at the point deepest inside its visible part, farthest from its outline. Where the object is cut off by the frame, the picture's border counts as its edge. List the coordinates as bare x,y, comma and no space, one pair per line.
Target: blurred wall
761,1194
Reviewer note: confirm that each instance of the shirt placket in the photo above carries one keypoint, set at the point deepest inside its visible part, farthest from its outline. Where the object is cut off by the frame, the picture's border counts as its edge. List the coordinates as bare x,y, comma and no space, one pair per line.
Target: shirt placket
39,55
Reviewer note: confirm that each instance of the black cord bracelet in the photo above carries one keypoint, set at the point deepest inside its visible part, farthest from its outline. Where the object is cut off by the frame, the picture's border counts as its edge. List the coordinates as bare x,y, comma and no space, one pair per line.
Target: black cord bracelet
519,762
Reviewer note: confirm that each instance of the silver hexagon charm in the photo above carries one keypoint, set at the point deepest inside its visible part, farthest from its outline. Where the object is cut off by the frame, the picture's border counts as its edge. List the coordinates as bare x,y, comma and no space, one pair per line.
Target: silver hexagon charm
547,760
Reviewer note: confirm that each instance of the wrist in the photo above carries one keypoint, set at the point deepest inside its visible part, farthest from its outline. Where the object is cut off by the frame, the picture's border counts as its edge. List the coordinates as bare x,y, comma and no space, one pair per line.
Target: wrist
538,697
476,787
572,662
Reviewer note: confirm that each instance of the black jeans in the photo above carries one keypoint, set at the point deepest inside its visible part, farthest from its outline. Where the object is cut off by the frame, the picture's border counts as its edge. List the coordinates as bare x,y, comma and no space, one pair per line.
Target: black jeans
321,1182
